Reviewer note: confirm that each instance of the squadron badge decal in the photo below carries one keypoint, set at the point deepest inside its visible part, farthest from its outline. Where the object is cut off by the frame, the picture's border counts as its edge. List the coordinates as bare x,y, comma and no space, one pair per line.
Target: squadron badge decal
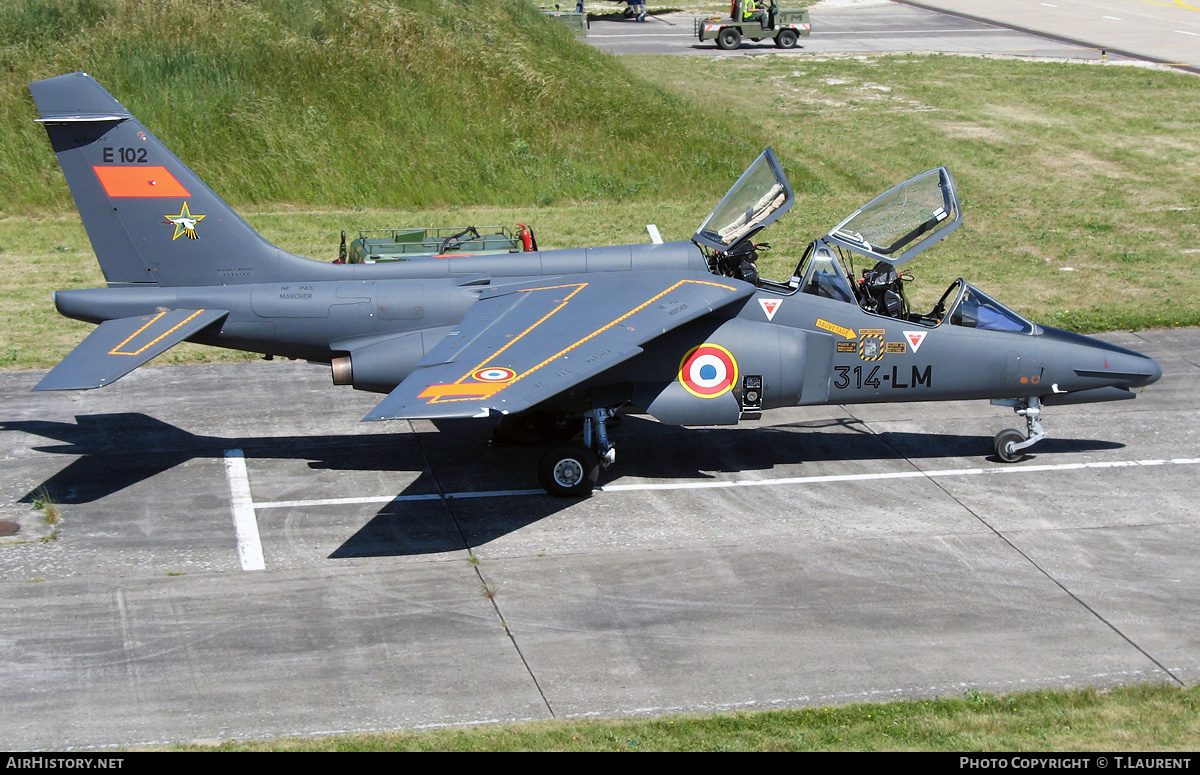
184,222
870,344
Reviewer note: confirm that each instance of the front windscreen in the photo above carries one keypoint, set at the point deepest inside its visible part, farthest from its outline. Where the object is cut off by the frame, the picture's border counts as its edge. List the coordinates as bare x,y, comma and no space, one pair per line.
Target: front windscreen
760,195
978,310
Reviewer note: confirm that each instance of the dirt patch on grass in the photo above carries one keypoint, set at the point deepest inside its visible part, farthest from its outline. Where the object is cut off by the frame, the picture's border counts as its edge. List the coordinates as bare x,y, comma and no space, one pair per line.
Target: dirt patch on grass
1080,165
1022,115
974,131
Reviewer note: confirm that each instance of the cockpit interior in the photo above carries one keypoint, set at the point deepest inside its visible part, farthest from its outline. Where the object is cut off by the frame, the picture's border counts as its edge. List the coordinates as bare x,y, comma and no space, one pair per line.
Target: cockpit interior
888,231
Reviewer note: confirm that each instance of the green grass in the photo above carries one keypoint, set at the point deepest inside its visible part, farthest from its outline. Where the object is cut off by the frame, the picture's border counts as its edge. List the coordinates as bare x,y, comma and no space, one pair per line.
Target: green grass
360,103
1059,166
1077,181
1138,718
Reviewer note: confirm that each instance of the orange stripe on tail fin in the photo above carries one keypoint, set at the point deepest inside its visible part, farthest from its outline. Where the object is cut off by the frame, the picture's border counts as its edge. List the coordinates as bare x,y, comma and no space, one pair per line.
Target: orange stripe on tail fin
140,181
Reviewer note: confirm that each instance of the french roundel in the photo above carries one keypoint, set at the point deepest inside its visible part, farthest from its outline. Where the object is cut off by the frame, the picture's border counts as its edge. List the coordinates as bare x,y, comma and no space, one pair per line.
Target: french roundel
494,374
708,371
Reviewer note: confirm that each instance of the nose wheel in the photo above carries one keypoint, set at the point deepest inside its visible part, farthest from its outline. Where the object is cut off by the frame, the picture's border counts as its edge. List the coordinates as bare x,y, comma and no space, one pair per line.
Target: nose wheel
1006,442
1010,444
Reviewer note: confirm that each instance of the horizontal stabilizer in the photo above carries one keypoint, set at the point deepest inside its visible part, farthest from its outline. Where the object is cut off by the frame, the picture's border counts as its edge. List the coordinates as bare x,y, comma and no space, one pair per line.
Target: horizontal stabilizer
117,347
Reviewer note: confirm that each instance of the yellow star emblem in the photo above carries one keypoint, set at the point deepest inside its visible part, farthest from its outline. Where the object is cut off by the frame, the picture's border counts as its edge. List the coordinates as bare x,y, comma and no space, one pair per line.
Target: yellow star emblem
185,223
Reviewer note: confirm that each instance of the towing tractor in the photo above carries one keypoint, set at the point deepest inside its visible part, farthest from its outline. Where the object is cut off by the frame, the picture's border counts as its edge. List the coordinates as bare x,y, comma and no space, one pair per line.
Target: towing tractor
784,26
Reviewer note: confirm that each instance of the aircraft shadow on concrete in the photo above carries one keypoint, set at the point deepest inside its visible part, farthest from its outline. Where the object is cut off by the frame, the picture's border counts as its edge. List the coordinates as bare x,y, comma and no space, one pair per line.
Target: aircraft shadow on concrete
400,530
115,451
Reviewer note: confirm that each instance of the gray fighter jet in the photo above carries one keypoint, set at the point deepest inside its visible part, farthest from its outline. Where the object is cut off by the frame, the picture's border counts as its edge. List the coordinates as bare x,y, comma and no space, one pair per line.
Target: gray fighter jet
556,343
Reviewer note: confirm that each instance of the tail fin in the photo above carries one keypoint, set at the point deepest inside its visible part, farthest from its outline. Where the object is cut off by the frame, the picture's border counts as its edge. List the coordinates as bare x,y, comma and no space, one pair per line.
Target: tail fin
149,217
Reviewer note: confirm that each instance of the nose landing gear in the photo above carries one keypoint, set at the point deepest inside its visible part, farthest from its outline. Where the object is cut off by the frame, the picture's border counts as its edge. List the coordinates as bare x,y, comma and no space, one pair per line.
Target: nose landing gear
1011,443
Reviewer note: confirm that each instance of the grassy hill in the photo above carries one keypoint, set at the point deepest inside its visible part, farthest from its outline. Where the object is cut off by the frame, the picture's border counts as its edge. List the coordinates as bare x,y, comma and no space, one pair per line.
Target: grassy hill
357,103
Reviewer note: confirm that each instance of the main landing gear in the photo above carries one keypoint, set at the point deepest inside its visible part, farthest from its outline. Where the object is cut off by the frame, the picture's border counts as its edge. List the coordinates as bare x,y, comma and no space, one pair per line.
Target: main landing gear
571,469
1010,444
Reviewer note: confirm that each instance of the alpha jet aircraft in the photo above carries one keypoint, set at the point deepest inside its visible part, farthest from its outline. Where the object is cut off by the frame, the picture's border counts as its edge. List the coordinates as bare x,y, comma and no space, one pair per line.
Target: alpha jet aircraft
556,343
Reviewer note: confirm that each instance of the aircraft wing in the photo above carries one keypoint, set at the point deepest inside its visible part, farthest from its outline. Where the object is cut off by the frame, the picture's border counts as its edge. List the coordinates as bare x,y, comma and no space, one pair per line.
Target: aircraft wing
522,344
117,347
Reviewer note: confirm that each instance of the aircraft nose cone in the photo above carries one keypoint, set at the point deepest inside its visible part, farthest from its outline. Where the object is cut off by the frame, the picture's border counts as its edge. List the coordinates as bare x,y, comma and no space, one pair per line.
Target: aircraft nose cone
1153,371
1128,368
1096,363
1122,368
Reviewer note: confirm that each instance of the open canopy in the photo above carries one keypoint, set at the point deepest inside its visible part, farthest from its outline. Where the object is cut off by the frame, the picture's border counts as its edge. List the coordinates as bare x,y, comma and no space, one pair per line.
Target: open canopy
906,220
757,199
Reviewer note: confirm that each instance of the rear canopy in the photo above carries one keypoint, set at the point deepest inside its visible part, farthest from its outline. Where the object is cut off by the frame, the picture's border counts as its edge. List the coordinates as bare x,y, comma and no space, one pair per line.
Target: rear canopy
899,224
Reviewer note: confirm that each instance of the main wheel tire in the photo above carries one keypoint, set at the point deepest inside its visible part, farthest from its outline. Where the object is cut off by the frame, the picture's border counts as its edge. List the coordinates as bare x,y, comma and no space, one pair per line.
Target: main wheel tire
729,38
569,470
786,39
1004,443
